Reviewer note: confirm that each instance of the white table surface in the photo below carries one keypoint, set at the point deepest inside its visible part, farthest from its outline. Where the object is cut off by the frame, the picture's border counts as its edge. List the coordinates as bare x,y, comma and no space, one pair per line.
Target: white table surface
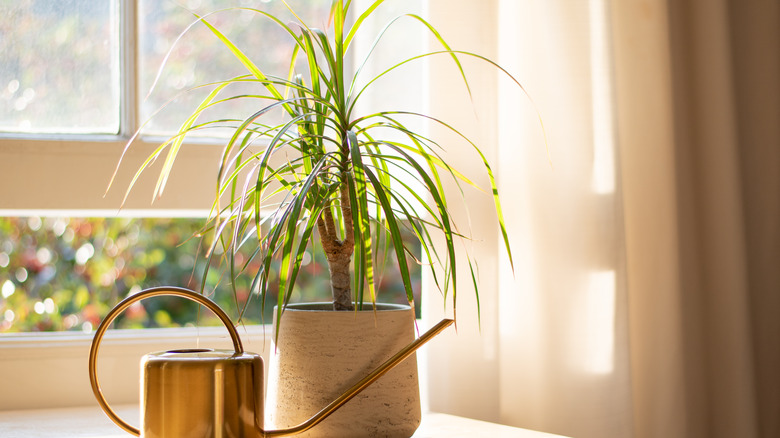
90,422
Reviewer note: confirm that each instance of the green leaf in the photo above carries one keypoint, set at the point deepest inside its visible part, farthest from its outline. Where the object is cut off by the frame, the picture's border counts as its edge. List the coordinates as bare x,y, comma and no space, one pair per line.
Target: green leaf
289,266
395,233
362,227
248,64
439,200
359,21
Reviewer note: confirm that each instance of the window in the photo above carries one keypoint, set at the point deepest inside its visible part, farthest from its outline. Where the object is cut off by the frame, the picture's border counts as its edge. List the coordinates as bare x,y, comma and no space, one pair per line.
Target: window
152,45
61,62
59,274
76,91
54,168
197,57
64,273
48,48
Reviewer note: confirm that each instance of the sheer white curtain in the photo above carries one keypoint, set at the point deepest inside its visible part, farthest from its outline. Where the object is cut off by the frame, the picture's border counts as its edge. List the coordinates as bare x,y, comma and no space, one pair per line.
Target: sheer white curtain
563,327
647,245
551,354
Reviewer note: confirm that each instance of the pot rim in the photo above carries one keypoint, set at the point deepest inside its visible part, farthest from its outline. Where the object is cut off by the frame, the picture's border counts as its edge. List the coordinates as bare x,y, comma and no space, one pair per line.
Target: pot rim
327,307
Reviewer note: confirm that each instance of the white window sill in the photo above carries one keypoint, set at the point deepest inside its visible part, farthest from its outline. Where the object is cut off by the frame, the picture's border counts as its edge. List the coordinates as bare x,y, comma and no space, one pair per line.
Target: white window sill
50,369
90,422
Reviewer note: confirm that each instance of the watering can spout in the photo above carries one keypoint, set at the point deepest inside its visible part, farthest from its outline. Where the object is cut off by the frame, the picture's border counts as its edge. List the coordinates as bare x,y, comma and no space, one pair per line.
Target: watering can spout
196,392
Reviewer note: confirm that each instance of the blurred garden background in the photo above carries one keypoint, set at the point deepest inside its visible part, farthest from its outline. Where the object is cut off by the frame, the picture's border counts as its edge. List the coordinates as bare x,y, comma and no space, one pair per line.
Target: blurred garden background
67,273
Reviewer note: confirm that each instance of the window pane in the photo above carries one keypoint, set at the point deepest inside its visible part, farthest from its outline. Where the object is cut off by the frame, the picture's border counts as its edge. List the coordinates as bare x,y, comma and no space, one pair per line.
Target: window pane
59,66
200,58
67,273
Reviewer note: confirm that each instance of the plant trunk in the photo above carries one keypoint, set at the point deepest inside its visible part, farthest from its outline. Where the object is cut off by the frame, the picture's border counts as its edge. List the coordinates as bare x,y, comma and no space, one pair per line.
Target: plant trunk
339,252
338,263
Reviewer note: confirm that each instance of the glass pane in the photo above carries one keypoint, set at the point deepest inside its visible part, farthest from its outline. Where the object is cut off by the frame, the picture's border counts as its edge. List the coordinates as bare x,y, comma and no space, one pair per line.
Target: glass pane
59,66
66,274
200,58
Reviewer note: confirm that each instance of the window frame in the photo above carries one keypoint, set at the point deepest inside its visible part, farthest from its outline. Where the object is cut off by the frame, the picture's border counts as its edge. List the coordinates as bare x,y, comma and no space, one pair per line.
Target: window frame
64,175
60,170
39,361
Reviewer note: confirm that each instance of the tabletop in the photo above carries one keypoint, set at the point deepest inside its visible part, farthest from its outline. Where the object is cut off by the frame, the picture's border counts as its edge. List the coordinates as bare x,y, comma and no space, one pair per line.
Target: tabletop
90,422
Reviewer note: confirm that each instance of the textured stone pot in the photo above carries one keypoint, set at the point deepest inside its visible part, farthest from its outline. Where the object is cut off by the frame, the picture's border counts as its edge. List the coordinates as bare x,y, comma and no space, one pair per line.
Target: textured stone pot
321,353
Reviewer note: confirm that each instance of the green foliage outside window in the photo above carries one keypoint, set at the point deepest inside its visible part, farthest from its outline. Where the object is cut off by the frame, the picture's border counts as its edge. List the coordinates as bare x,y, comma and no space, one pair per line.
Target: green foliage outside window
67,273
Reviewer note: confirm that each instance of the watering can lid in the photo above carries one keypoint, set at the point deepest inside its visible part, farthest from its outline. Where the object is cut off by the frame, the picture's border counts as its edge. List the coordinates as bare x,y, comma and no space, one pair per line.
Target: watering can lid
199,354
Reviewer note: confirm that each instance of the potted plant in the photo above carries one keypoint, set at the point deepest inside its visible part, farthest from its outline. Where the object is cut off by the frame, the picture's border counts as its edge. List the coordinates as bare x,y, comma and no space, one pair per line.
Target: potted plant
329,174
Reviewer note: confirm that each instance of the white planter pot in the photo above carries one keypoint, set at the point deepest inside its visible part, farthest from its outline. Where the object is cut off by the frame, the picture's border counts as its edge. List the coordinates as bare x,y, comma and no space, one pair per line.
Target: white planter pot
321,353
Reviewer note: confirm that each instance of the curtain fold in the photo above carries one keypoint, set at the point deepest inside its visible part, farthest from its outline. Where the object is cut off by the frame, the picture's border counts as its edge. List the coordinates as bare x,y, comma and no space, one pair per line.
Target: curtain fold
721,209
755,40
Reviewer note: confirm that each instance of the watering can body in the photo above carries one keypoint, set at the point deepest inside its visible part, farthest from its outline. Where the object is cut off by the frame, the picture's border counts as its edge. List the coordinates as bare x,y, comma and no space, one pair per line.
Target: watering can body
201,393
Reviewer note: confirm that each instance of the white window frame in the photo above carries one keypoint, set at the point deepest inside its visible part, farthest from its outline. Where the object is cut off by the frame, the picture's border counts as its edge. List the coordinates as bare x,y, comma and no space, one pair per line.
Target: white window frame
49,370
67,175
40,172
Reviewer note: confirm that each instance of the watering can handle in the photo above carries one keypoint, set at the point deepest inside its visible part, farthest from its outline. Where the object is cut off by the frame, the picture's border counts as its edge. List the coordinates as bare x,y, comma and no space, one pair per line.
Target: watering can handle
124,304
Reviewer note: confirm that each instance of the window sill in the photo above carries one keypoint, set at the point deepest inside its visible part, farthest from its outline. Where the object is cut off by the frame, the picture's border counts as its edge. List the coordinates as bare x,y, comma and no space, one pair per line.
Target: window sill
90,422
50,369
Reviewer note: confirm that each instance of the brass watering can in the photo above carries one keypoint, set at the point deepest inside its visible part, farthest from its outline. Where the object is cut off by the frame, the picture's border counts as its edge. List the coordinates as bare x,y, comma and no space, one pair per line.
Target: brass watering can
213,393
